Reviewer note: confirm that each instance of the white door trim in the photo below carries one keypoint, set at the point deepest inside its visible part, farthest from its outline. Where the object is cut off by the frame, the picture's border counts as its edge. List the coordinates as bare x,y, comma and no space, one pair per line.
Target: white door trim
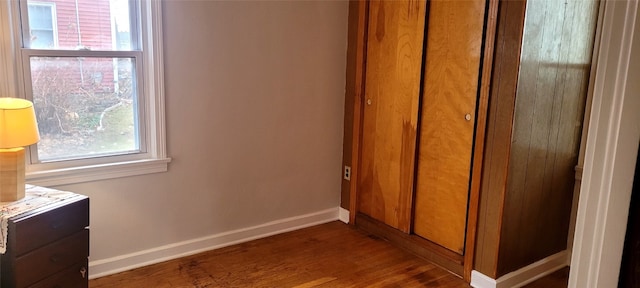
611,150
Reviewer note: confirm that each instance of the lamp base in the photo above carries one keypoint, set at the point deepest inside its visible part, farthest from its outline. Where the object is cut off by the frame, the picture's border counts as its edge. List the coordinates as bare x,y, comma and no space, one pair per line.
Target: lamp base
11,174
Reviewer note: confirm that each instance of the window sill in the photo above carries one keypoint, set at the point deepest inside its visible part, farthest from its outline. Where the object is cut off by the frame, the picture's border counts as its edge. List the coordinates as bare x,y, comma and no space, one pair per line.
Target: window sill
97,172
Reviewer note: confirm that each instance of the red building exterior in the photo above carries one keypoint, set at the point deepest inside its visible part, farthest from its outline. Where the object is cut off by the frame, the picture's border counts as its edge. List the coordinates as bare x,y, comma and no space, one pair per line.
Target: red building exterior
75,25
93,17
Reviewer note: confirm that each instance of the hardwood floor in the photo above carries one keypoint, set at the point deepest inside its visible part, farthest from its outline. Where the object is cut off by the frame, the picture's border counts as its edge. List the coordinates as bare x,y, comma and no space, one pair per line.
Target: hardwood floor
328,255
558,279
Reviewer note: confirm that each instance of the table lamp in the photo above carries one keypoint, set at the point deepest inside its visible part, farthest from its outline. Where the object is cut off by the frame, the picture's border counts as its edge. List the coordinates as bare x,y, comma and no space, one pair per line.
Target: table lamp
18,128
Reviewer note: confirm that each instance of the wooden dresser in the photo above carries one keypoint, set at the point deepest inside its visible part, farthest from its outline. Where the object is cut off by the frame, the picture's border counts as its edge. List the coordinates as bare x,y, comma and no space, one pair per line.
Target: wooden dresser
48,246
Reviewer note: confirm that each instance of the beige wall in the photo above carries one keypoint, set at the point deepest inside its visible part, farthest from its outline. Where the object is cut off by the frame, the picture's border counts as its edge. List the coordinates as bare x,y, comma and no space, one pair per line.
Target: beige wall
255,95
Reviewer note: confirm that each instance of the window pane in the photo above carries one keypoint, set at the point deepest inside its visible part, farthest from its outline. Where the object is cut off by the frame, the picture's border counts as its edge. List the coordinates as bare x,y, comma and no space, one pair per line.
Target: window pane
85,106
41,16
42,39
41,23
82,24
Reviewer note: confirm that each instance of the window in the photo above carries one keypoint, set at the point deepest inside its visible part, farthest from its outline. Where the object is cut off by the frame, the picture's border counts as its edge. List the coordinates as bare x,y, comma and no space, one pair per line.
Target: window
42,24
93,71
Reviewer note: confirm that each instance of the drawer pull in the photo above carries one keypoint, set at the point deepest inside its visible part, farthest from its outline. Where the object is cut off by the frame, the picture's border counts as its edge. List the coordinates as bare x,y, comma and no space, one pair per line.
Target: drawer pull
83,271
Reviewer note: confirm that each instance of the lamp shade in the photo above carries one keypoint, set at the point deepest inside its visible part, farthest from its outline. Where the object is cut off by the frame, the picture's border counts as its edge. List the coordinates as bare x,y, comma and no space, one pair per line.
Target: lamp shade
18,126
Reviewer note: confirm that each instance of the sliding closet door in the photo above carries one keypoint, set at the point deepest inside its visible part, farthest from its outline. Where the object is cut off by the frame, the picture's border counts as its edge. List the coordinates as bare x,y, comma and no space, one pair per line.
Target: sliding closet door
453,51
393,74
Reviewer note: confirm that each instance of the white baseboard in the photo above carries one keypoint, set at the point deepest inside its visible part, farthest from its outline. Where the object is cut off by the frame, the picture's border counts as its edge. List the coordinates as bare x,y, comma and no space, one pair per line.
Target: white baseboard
522,276
343,215
104,267
479,280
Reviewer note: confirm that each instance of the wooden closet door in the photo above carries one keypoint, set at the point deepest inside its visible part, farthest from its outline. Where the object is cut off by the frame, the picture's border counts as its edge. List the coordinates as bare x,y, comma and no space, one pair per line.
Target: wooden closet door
453,52
392,87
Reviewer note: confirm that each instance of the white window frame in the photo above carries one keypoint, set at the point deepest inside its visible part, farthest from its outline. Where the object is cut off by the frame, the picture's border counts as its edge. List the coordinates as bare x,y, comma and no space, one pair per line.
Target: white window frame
152,159
54,19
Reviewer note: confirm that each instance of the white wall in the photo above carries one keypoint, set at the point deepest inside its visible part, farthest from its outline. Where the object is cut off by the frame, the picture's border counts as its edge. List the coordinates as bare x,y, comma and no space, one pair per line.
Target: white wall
255,95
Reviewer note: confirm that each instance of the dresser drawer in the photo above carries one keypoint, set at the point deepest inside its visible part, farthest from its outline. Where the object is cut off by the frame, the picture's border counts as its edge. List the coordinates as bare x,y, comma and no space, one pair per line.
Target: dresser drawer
38,230
52,258
74,276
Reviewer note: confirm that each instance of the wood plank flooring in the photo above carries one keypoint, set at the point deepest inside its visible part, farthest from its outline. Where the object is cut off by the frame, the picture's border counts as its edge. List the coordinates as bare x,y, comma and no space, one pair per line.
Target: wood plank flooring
558,279
328,255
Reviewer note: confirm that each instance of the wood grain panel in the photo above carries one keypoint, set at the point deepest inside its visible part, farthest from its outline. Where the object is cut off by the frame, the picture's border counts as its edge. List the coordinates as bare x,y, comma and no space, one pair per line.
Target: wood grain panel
353,101
549,109
392,85
453,52
360,16
480,136
498,137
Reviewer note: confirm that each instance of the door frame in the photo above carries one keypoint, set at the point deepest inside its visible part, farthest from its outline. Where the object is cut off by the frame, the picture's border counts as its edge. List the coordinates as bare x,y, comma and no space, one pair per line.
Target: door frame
611,150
